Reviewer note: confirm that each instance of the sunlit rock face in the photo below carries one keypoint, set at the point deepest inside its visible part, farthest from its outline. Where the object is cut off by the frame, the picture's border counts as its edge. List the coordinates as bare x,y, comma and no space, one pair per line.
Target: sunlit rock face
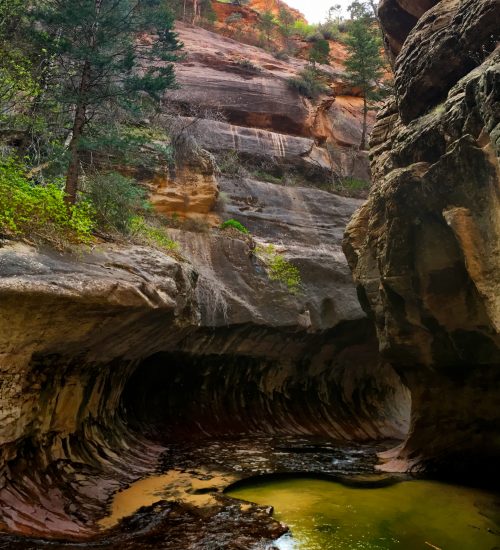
247,87
424,249
189,192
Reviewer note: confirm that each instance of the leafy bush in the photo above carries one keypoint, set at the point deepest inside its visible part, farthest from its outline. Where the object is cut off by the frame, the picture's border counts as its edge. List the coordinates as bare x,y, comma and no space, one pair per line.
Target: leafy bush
330,30
304,30
278,268
152,235
116,199
234,224
40,212
320,52
308,83
314,37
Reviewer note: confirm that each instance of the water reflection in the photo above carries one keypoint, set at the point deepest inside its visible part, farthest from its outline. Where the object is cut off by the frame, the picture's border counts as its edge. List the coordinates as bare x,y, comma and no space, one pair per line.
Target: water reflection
412,515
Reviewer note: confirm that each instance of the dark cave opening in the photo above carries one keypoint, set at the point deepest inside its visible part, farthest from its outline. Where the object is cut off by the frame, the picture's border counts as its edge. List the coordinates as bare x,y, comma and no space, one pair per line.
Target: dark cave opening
181,395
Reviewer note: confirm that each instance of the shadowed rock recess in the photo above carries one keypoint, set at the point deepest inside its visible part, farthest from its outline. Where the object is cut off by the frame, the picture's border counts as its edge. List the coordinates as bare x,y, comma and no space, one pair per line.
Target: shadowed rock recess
424,248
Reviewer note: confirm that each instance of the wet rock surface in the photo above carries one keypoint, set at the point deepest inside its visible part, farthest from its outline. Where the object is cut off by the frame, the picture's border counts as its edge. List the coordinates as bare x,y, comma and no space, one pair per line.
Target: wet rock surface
226,522
171,526
111,356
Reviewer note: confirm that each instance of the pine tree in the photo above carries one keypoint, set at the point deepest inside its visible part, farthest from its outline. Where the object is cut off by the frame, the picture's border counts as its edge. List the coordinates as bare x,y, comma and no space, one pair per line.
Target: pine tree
320,52
17,78
267,24
365,64
104,53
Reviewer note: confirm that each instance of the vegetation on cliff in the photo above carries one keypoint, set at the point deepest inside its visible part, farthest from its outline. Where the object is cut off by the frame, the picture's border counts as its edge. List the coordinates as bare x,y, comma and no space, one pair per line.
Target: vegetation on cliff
40,212
279,269
365,64
80,86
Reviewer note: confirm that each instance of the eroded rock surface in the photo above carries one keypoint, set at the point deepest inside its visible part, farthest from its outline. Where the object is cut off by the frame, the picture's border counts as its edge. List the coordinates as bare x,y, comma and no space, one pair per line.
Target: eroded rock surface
248,87
424,249
109,356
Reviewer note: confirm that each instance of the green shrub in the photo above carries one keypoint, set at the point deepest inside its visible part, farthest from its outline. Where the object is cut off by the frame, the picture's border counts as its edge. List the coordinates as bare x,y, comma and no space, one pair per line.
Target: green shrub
330,30
234,224
308,83
263,175
351,187
304,30
278,268
320,52
356,184
39,212
229,164
314,37
248,65
152,235
116,199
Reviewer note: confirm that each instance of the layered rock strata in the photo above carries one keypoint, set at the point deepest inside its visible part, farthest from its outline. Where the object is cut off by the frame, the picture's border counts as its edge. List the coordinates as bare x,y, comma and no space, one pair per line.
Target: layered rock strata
424,249
100,350
225,81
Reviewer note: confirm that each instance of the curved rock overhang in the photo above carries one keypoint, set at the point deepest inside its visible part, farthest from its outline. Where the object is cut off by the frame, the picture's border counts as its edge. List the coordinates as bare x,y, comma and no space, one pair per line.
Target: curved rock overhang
107,360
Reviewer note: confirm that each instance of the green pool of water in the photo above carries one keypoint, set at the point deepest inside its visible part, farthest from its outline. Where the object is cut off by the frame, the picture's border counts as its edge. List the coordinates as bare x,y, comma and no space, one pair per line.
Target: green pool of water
411,515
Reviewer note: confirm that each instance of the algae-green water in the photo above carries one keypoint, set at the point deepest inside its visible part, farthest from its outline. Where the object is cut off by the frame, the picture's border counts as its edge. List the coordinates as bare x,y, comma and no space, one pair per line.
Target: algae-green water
411,515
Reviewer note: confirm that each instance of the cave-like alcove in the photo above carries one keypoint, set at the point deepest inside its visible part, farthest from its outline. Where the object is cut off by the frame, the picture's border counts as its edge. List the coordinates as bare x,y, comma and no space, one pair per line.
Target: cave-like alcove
180,395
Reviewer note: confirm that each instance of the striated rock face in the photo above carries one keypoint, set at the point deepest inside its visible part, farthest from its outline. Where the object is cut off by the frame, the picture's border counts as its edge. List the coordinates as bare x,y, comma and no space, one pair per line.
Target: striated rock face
235,99
212,76
248,87
109,357
424,249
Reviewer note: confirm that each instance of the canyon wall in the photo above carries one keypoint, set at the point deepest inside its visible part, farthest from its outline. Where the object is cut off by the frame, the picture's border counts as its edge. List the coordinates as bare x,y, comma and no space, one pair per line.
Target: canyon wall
424,248
109,356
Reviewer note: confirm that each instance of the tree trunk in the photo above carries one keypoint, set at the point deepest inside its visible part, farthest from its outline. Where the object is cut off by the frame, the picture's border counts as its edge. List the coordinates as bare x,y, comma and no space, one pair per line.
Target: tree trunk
196,10
71,188
79,121
365,116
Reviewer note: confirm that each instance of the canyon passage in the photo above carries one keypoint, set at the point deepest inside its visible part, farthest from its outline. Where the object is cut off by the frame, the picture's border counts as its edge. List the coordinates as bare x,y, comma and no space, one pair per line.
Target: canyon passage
249,292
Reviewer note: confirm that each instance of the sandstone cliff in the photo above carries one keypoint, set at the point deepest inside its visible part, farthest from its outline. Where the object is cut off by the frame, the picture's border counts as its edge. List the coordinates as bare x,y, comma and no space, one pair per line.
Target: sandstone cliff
424,249
102,351
235,98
